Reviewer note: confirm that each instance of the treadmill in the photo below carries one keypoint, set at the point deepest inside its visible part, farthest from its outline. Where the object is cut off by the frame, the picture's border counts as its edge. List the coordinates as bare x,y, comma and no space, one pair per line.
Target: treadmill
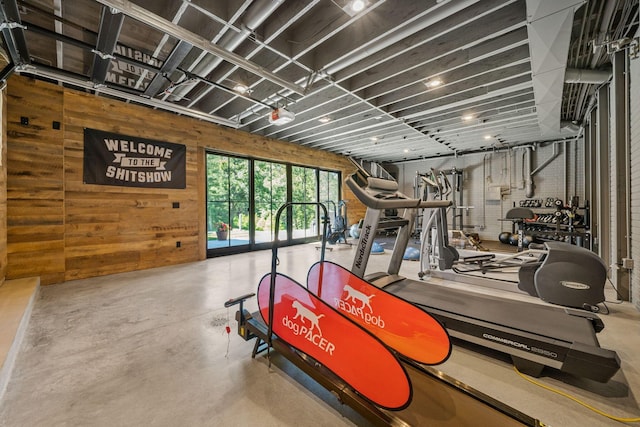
534,335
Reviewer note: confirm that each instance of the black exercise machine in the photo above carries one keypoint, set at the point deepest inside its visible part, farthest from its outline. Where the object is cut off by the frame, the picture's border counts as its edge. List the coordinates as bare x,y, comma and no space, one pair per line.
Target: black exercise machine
556,272
534,335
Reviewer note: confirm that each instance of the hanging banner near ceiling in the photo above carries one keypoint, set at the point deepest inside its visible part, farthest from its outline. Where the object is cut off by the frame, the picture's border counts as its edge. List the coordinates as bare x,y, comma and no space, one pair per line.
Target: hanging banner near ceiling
113,159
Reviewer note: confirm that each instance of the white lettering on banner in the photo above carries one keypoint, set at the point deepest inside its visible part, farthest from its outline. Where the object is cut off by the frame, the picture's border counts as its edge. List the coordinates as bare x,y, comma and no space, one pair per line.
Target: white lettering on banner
137,176
299,329
124,146
367,317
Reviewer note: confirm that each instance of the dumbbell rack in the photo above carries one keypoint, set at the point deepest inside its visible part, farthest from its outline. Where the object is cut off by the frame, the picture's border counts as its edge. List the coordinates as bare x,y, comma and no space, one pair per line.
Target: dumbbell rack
569,224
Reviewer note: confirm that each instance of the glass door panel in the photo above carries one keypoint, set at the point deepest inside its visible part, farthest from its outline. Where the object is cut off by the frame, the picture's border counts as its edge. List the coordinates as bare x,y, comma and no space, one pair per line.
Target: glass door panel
227,201
270,192
329,192
304,188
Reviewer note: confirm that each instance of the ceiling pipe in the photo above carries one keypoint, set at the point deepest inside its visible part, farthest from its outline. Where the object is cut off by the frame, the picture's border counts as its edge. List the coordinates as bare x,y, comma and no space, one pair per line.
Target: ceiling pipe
574,75
140,14
150,102
257,13
529,185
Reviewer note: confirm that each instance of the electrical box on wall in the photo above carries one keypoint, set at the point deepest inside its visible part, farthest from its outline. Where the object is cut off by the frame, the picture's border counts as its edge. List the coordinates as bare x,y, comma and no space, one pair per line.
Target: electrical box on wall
495,192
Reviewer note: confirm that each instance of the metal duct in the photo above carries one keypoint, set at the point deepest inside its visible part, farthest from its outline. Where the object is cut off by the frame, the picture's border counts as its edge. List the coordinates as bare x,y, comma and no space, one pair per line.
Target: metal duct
529,185
254,16
574,75
549,29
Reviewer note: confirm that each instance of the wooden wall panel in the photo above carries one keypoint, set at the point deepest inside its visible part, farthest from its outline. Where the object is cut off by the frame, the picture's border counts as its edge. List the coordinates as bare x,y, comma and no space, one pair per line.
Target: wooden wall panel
115,229
3,186
35,182
94,229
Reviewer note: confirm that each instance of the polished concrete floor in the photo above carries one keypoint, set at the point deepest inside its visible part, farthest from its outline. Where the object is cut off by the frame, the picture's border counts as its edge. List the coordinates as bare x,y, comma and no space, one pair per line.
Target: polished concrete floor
151,348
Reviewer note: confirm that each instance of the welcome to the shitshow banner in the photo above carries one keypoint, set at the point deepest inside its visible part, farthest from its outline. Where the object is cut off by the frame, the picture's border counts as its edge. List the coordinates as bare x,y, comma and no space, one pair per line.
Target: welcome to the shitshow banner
112,159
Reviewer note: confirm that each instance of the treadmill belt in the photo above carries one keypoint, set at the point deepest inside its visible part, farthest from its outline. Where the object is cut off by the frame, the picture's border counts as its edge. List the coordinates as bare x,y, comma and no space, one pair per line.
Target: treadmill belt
542,320
436,402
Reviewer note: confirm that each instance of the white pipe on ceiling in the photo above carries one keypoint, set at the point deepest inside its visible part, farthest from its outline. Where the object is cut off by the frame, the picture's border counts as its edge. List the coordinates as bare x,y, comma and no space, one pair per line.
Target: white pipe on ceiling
574,75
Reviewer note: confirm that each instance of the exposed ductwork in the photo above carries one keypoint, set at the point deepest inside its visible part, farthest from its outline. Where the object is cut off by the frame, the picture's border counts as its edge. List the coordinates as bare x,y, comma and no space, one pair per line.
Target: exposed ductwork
136,12
529,185
573,75
252,19
549,29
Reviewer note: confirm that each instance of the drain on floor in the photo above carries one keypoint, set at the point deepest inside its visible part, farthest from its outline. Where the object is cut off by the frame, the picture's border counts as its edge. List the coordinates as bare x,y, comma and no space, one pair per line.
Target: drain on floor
219,321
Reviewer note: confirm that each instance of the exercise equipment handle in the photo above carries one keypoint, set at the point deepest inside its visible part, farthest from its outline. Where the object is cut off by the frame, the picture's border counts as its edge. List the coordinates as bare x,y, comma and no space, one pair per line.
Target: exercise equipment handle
383,194
238,300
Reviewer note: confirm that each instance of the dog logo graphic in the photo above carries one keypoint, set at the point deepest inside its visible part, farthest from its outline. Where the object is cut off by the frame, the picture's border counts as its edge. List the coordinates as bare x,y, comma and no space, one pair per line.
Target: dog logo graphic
303,312
354,295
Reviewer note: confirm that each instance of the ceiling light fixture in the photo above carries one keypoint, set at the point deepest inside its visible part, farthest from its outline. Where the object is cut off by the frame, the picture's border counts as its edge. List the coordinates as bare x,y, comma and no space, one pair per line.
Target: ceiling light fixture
240,88
467,117
374,138
281,116
487,137
358,5
354,7
433,83
325,119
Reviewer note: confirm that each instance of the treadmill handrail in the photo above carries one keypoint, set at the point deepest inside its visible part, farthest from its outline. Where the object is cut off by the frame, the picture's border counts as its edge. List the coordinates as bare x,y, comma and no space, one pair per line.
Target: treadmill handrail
391,199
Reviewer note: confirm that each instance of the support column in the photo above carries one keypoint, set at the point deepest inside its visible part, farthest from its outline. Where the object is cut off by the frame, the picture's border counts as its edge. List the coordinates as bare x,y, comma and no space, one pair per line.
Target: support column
603,181
620,241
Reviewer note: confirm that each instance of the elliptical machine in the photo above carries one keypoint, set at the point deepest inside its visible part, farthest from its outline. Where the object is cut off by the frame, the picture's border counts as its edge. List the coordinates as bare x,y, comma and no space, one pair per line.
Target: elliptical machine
337,231
556,272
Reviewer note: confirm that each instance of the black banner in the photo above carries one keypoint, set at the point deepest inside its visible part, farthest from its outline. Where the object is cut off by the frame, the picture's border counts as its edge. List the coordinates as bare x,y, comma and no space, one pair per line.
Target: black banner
112,159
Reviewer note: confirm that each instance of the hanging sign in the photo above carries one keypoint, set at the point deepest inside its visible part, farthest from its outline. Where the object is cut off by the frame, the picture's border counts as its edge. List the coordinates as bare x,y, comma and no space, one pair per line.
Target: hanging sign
308,324
401,325
112,159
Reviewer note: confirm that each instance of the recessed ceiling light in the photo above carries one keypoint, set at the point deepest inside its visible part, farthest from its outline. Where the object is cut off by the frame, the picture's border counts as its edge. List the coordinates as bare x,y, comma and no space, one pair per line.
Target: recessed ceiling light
467,117
406,150
325,119
374,138
487,137
358,5
433,83
354,7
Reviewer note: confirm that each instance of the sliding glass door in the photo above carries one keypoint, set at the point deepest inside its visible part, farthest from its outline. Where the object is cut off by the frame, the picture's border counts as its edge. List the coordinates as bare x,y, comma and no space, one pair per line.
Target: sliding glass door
244,195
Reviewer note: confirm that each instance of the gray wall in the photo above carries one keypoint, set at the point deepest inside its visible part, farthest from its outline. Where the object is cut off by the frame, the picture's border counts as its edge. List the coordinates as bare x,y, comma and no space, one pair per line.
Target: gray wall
481,172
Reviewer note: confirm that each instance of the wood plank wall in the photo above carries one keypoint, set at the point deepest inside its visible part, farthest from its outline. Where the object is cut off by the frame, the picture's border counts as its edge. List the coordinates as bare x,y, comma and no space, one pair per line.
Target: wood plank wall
3,187
62,229
35,184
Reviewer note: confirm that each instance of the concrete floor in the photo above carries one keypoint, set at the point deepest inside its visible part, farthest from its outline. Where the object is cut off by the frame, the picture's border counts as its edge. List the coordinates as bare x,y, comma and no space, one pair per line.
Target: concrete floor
150,348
